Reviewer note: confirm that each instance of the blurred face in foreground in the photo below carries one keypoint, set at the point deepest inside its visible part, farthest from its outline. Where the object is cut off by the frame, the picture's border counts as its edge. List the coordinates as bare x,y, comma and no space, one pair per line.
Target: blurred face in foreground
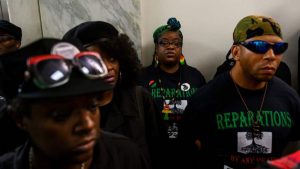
64,130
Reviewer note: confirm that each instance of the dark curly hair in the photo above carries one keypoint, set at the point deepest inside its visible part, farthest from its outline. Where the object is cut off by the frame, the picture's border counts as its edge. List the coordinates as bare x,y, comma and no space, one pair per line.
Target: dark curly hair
122,48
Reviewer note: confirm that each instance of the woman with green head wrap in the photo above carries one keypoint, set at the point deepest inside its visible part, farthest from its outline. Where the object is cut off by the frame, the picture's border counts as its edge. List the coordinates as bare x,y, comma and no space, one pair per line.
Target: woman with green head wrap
173,25
172,83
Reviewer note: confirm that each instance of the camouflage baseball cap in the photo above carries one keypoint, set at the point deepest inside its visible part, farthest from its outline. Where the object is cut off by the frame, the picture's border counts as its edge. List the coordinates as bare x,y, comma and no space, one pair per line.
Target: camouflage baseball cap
252,26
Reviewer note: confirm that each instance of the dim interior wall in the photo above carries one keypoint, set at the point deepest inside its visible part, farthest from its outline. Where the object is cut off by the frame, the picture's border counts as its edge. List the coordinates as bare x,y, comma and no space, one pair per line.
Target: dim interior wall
52,18
25,14
59,16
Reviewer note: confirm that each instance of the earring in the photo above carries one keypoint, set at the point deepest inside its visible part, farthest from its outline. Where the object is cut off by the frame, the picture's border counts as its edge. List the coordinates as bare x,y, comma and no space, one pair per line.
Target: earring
156,61
182,60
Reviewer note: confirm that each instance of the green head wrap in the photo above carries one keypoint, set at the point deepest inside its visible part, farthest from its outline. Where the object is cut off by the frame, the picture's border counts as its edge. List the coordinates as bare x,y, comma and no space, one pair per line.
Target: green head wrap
252,26
172,25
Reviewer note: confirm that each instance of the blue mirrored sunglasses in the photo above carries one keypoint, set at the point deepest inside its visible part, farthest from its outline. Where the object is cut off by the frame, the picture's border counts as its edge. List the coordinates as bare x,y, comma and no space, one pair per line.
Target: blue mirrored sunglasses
261,47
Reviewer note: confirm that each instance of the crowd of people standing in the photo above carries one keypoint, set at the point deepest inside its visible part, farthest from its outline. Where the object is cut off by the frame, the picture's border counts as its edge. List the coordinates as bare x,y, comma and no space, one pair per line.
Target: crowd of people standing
86,101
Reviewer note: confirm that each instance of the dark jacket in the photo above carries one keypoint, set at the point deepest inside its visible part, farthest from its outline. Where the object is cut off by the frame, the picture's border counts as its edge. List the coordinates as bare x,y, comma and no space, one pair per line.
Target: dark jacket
12,136
133,113
112,151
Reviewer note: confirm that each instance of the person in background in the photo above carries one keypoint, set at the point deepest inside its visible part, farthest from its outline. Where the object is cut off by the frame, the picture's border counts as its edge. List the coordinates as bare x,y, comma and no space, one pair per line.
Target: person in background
10,36
58,107
10,40
172,83
247,115
128,109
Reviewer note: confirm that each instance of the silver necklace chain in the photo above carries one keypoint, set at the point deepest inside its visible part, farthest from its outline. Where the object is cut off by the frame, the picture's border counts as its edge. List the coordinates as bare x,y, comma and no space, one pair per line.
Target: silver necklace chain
30,160
262,101
255,125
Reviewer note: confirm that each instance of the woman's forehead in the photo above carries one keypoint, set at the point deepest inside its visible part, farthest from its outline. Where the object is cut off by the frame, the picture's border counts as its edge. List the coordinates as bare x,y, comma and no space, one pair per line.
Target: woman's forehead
170,34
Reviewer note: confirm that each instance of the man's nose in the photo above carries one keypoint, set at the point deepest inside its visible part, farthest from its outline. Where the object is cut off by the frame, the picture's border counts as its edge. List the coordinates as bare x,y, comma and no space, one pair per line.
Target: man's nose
270,54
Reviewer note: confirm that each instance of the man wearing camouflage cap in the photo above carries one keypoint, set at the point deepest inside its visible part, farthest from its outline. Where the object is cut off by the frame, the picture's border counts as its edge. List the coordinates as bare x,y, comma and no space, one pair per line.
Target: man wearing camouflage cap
245,116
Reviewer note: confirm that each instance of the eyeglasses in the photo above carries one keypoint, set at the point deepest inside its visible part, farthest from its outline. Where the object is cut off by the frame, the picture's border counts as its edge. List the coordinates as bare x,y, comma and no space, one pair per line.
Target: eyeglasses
166,43
55,70
262,47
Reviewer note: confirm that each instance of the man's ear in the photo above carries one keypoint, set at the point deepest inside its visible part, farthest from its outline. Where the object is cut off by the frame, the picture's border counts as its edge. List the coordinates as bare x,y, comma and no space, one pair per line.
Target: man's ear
235,52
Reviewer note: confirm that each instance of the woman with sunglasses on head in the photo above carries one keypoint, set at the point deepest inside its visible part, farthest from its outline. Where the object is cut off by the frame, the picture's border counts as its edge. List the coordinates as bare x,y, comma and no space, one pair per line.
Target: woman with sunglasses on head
128,109
247,115
57,105
172,83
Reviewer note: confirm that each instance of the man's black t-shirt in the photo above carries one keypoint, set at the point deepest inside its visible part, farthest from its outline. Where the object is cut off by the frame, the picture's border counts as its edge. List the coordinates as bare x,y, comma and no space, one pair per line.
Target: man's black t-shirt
218,118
